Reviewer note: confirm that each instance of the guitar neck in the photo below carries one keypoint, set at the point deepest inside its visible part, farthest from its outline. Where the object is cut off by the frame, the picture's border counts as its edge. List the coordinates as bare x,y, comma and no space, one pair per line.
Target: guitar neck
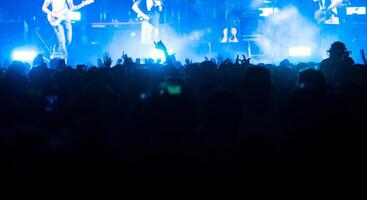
84,3
80,6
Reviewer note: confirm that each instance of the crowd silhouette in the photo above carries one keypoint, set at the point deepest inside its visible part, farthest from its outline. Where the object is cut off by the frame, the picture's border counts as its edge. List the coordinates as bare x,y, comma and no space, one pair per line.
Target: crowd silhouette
216,121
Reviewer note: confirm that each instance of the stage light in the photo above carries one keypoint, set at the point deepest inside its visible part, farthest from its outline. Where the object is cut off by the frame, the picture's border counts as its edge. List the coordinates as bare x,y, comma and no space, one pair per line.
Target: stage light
268,11
356,10
24,55
157,54
75,16
299,51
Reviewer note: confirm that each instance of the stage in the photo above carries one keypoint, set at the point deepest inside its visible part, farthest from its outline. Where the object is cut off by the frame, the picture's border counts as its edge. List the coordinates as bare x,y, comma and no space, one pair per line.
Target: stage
267,31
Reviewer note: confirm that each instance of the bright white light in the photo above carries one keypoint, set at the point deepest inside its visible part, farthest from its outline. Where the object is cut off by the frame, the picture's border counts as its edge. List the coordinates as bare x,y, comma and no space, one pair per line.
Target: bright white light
356,10
300,51
24,55
159,54
268,11
75,16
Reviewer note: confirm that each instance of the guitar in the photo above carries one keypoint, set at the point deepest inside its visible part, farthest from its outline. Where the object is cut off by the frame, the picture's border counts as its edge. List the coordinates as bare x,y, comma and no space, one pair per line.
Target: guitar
63,14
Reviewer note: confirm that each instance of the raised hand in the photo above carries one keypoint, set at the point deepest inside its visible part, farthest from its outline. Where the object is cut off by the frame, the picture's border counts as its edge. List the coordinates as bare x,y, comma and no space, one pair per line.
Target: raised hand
237,60
160,45
245,60
107,60
124,56
363,55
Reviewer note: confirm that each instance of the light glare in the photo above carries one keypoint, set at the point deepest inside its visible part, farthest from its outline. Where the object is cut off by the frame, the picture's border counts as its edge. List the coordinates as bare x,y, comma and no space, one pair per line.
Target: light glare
300,51
24,55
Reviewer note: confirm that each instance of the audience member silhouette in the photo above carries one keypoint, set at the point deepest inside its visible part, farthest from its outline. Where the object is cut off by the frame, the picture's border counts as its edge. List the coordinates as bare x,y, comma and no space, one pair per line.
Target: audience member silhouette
338,63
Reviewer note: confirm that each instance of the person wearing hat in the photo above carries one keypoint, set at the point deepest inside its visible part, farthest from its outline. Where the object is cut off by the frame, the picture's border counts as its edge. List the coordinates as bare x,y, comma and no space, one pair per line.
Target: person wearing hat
339,58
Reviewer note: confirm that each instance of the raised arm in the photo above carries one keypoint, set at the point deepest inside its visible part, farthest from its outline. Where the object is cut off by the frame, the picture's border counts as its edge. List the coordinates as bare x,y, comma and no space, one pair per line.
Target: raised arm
363,55
161,46
45,6
72,6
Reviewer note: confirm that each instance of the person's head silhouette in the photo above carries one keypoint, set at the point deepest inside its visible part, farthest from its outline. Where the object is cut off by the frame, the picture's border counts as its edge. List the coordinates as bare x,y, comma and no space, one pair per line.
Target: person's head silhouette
338,50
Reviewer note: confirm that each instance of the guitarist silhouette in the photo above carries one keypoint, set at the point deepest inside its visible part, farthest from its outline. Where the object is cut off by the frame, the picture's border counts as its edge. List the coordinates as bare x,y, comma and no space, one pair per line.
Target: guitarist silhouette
58,18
